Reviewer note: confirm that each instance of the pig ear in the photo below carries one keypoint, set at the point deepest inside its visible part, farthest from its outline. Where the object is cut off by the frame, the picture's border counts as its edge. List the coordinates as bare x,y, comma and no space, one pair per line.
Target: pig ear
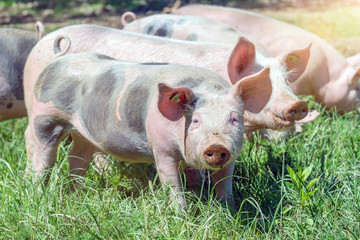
172,101
295,62
241,60
254,90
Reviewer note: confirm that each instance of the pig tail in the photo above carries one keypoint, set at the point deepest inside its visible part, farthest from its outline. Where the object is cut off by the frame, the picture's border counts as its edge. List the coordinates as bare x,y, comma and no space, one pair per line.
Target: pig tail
57,50
127,15
40,30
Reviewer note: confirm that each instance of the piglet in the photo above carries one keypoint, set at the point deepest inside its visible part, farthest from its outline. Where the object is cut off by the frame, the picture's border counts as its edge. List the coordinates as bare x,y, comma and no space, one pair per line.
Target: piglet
141,112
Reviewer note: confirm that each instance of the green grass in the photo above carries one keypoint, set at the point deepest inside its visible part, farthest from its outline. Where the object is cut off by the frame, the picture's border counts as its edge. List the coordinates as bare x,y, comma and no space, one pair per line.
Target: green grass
130,203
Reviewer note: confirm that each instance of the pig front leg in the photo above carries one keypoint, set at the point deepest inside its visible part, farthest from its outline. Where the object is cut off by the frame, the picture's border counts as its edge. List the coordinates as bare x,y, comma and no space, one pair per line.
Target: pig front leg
223,183
168,170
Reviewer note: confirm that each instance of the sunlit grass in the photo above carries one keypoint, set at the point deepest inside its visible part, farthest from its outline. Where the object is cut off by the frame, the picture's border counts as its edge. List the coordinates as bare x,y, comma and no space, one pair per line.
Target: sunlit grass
336,22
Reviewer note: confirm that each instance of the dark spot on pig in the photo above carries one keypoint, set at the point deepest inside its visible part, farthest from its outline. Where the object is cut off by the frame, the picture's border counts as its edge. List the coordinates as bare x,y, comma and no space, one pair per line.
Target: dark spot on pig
149,30
50,129
229,29
9,105
84,88
182,21
190,82
52,86
65,97
105,83
99,102
160,28
135,105
162,32
104,57
154,63
192,37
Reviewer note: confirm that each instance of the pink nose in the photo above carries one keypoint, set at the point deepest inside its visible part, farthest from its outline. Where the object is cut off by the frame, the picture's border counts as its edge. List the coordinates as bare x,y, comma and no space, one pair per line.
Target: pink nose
297,111
216,155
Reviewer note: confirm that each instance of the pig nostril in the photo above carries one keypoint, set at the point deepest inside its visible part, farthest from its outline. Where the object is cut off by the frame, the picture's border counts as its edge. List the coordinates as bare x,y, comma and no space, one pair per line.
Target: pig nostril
292,112
304,112
216,155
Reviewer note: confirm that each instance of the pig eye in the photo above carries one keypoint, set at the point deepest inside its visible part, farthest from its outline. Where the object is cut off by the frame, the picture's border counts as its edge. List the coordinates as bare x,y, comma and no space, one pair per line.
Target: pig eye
195,122
235,119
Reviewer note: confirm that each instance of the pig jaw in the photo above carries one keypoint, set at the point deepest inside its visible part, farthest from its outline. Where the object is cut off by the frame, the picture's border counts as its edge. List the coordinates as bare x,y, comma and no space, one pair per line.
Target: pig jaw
214,135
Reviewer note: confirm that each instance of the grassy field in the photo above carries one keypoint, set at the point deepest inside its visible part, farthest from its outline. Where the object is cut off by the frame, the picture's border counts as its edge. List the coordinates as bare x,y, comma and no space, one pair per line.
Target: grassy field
305,188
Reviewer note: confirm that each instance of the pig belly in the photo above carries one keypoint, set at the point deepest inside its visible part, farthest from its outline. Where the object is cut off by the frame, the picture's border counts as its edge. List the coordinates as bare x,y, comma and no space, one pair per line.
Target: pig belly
122,144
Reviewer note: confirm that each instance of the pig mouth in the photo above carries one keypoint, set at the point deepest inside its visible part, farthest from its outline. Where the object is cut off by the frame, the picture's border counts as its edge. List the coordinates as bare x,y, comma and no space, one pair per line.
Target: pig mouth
282,123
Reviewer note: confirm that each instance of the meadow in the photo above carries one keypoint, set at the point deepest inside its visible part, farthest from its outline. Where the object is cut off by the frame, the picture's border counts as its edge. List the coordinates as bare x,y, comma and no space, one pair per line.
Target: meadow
307,187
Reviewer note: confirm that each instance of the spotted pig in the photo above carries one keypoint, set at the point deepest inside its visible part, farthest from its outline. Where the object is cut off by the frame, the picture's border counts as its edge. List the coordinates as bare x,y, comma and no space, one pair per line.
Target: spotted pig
15,46
141,112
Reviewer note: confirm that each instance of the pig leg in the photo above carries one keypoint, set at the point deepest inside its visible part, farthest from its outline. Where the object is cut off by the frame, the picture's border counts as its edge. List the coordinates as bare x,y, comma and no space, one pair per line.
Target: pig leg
43,136
168,170
101,163
80,155
29,150
223,183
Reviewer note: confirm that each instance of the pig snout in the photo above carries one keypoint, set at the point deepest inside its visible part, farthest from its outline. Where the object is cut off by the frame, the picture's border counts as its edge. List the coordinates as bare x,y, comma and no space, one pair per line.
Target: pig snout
216,155
296,111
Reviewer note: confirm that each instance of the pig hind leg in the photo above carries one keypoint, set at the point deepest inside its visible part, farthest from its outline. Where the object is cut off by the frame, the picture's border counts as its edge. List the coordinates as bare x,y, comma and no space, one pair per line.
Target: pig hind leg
43,136
80,156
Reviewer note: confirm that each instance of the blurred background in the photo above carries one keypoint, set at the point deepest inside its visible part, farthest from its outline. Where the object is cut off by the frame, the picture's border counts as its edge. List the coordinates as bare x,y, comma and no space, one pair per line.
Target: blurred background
336,21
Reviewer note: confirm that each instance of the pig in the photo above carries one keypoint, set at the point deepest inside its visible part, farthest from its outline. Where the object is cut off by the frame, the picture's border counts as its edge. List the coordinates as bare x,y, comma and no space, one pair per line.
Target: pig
141,113
194,28
16,45
232,63
328,77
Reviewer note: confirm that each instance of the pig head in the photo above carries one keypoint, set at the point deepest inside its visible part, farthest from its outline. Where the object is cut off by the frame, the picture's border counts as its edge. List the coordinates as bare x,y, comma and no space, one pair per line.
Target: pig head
141,112
328,76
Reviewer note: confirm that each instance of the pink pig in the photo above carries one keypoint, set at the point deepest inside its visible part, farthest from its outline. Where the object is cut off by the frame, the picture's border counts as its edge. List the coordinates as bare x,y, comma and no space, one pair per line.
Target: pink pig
141,112
328,76
232,63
